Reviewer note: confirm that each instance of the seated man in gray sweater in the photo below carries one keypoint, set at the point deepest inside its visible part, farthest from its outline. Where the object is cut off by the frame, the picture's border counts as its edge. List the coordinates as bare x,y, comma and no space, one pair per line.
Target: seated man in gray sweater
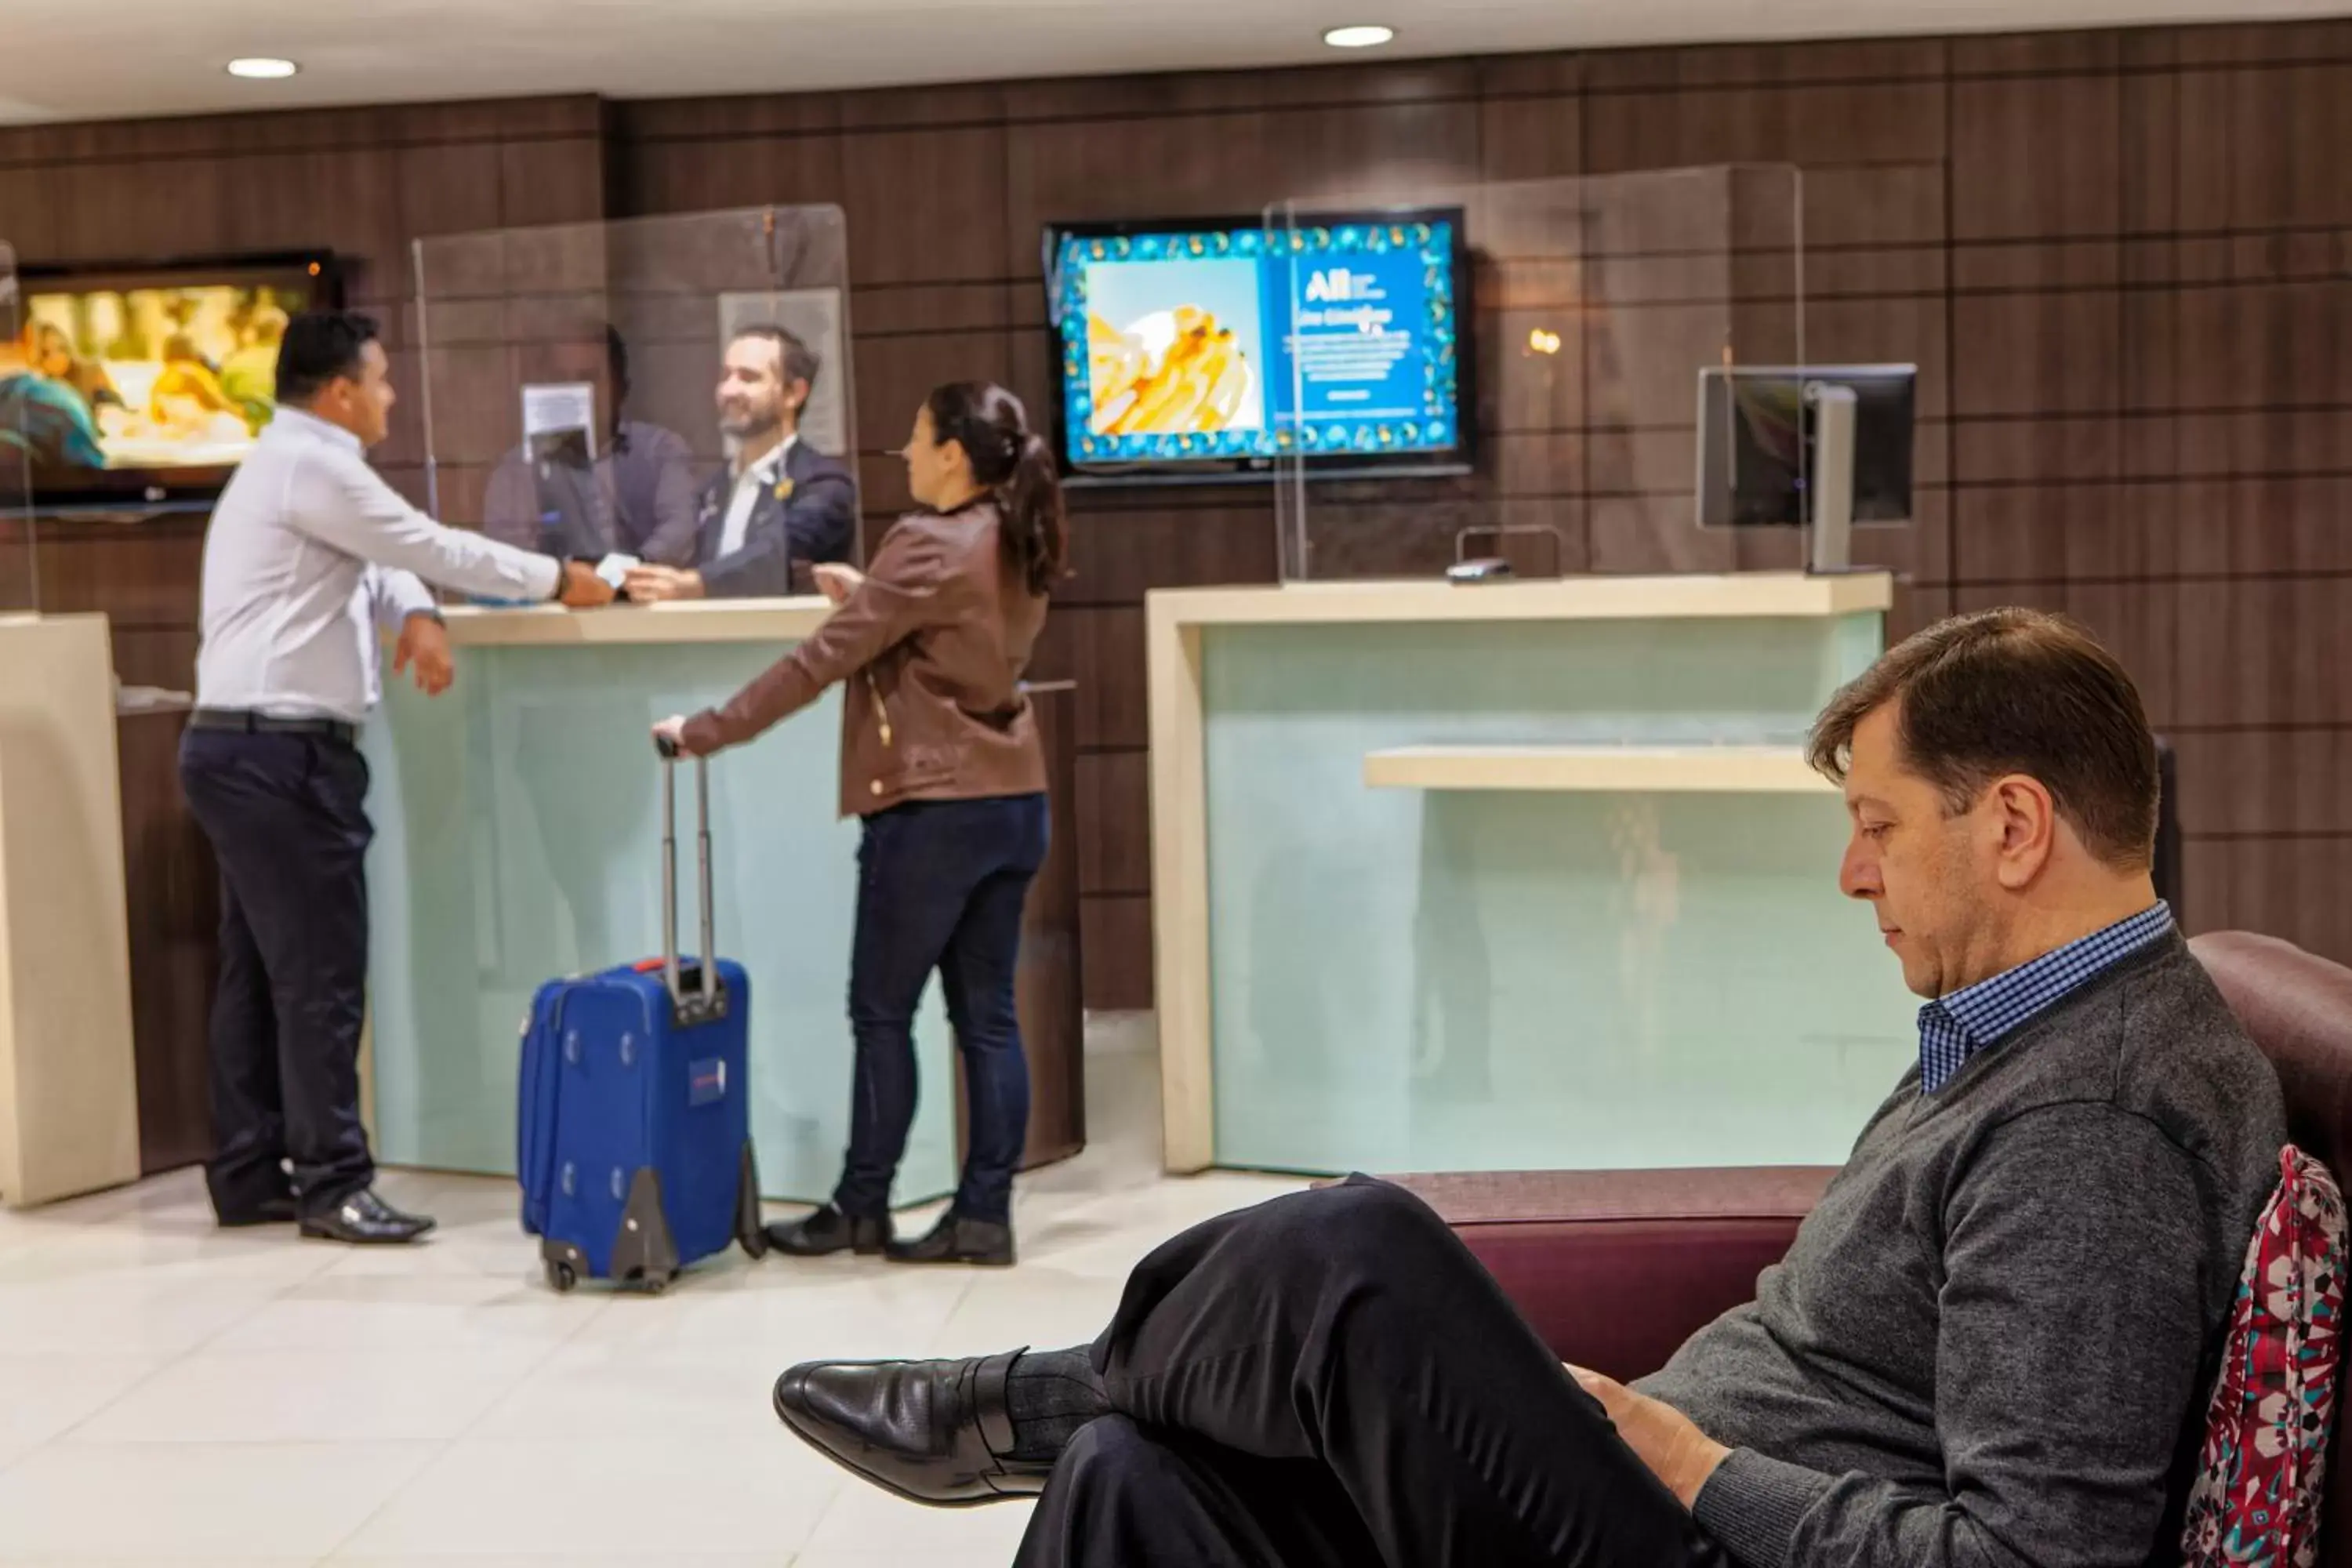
1990,1344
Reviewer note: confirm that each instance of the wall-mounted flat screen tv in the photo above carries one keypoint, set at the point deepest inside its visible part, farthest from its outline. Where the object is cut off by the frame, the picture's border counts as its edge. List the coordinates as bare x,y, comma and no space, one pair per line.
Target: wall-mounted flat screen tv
148,383
1192,351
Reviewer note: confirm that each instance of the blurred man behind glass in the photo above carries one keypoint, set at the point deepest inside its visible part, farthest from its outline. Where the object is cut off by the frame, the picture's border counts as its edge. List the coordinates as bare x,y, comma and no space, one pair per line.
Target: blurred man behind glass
635,498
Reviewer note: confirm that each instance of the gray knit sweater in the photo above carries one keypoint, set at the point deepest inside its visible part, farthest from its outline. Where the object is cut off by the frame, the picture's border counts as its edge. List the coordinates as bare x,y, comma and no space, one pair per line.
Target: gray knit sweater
1992,1342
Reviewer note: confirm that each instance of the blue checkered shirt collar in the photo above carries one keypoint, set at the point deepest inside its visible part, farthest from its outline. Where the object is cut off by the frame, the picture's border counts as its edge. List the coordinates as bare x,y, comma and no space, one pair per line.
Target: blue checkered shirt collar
1954,1028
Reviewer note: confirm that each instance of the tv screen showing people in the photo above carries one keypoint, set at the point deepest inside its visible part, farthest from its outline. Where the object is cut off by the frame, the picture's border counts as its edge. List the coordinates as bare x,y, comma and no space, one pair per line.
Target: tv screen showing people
109,380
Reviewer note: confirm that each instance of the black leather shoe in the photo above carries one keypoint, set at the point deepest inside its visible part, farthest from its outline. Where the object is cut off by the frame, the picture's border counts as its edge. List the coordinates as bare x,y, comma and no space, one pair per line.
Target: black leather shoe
269,1211
956,1239
829,1230
930,1431
364,1219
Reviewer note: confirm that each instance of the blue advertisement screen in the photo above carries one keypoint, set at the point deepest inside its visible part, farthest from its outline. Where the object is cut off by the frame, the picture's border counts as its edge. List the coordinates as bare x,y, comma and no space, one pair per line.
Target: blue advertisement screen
1232,344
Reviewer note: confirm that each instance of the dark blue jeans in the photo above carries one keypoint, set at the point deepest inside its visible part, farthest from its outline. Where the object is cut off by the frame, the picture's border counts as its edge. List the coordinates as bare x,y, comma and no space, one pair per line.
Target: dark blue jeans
288,826
940,886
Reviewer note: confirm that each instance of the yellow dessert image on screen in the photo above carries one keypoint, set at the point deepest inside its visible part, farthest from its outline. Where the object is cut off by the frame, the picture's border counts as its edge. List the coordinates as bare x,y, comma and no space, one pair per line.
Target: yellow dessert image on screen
1173,373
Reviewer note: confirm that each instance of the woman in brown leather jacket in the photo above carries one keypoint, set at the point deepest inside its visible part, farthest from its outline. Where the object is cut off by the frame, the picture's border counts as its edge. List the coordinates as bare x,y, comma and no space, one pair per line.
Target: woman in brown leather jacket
939,757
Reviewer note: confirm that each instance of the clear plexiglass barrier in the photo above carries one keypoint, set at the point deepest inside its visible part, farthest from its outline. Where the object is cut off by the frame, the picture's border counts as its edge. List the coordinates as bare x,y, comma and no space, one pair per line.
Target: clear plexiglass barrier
573,375
1512,370
580,402
19,566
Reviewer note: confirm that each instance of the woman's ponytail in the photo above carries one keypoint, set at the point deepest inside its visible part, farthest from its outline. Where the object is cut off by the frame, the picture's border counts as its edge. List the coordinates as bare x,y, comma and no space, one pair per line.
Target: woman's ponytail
1036,527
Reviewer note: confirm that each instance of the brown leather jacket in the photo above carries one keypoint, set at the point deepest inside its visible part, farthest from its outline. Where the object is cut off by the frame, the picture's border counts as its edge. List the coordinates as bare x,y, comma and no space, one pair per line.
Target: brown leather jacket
932,645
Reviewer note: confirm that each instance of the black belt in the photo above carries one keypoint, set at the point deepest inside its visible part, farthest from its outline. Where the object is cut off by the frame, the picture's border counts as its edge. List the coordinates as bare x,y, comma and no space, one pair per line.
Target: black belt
241,721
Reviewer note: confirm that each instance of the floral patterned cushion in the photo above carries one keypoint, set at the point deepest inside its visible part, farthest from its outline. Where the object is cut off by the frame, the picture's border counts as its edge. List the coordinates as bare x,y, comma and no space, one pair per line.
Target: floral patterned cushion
2257,1496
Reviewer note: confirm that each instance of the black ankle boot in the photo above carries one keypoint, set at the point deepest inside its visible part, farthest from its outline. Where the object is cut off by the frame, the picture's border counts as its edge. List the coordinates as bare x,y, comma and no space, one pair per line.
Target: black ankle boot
958,1239
829,1230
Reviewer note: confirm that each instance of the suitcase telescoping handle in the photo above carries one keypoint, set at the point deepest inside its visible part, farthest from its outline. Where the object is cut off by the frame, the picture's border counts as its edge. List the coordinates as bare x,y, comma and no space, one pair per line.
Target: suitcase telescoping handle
708,1000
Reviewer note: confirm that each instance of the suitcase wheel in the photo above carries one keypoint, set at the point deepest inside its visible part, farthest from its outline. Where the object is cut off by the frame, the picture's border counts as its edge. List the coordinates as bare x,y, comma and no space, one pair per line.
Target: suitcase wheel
654,1284
561,1275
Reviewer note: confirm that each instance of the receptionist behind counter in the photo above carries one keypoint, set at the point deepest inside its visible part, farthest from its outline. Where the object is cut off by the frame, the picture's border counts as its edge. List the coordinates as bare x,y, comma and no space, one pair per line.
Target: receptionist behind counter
779,502
634,497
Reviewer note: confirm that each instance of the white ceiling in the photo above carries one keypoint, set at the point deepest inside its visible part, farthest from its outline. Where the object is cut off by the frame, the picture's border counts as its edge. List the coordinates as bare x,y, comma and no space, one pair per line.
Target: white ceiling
80,59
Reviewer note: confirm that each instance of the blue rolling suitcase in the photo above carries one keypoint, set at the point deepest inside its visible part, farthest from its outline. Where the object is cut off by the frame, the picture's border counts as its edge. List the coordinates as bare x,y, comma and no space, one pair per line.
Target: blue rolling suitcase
633,1115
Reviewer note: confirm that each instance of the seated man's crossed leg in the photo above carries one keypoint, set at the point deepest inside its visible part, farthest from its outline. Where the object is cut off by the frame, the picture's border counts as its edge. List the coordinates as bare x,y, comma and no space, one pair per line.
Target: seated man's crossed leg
1328,1380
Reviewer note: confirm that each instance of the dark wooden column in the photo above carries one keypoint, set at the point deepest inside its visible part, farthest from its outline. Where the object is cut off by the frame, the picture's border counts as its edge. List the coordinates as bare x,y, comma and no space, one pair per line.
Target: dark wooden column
175,912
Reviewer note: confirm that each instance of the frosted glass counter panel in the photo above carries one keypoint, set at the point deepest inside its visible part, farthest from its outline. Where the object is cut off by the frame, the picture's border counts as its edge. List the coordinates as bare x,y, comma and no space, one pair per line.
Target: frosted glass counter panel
518,838
1408,980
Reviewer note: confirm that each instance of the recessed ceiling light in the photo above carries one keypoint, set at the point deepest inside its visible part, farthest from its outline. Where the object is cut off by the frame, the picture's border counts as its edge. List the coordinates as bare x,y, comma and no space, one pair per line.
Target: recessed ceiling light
1371,37
263,68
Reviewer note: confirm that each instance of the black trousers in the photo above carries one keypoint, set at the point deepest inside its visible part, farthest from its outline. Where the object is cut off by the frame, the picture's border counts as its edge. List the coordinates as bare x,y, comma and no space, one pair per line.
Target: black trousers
941,884
1331,1380
288,826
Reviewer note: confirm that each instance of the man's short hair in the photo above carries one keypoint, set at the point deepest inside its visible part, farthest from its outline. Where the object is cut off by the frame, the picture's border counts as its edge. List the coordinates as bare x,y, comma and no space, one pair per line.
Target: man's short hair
2014,691
320,347
800,361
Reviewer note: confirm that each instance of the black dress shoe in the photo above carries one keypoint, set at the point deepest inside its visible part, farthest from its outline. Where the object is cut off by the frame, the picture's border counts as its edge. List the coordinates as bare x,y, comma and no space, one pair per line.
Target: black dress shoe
269,1211
931,1431
829,1230
956,1239
364,1219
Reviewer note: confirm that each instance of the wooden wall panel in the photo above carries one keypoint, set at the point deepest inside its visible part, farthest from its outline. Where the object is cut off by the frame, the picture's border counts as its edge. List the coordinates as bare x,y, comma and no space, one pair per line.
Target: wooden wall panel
1234,163
1807,125
165,657
1115,934
1114,804
2288,886
2035,351
1528,126
2120,259
2034,156
712,173
174,916
1106,641
925,205
1118,552
2242,783
139,575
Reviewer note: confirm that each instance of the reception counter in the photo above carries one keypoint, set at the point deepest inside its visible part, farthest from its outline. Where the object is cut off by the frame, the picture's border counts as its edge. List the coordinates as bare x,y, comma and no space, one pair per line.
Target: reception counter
68,1095
518,838
1510,875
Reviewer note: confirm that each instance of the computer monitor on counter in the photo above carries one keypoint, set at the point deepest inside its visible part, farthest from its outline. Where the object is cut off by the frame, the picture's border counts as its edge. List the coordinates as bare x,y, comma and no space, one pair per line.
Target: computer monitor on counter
1816,446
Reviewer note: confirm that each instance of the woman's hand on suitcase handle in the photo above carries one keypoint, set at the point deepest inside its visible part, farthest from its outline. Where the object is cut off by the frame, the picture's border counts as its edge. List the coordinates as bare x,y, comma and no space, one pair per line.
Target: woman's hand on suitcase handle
669,737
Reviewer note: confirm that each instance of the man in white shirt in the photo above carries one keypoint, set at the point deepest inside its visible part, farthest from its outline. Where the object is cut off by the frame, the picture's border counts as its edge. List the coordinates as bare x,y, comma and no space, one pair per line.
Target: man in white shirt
310,556
781,502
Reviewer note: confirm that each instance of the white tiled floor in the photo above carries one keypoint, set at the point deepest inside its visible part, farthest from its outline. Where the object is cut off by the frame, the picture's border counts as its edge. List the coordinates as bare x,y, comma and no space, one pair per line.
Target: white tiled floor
173,1395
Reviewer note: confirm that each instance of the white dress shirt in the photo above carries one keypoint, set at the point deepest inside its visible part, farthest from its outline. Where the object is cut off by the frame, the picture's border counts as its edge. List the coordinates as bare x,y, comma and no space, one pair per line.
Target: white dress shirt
310,551
746,499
